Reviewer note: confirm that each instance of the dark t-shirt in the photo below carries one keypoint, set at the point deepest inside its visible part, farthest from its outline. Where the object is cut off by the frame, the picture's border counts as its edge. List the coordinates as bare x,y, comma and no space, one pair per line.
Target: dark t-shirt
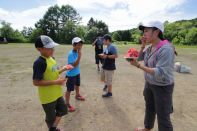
39,68
109,64
99,45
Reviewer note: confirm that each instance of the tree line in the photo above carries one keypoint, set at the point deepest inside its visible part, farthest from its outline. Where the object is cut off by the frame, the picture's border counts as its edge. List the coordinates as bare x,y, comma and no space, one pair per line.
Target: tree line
182,32
60,23
63,23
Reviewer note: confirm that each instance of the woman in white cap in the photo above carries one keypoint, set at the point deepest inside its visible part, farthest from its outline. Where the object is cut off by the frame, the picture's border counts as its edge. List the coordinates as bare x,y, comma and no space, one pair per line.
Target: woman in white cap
159,79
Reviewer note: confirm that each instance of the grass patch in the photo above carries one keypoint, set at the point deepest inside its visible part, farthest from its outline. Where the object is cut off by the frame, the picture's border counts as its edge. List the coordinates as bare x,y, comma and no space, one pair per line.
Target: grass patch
186,46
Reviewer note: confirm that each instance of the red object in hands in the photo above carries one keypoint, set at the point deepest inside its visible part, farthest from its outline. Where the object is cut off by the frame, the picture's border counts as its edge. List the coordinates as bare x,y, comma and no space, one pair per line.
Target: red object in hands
69,67
132,52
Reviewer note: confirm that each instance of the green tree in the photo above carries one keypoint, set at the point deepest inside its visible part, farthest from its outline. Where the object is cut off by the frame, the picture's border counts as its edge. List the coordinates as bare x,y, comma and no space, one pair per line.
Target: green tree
91,34
126,35
178,40
50,22
191,36
35,33
95,27
136,38
27,31
68,33
18,37
116,36
68,13
55,19
6,30
100,25
175,40
91,23
135,35
10,34
171,31
80,31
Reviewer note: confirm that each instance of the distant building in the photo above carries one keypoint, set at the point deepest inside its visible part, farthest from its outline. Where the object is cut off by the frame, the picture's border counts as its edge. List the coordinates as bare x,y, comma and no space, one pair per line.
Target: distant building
3,40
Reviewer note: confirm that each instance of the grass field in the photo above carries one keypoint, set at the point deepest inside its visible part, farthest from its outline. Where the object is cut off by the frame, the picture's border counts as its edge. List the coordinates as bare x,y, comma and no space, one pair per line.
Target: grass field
20,109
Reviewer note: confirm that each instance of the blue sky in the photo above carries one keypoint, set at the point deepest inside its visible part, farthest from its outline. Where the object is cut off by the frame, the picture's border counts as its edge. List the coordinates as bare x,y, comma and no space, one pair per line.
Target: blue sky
19,5
117,14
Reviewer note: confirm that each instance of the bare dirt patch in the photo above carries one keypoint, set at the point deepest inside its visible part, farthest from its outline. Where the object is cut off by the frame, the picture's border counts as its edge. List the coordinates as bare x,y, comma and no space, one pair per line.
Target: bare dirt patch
20,109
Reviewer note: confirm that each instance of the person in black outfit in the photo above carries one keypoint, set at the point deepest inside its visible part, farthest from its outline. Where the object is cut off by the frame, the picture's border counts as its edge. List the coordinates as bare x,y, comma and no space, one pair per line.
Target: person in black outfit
98,43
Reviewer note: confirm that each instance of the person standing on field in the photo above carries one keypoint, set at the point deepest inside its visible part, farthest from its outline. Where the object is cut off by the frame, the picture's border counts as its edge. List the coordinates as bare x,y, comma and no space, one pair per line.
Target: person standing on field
98,44
158,69
73,75
109,57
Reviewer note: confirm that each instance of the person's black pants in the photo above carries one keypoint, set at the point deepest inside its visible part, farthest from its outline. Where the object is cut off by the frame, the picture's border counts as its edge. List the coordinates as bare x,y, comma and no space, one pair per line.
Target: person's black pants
158,100
98,59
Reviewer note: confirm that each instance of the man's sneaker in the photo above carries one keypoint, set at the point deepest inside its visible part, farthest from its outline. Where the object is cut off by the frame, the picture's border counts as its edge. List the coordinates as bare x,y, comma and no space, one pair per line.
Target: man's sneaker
54,129
70,108
105,88
58,129
108,94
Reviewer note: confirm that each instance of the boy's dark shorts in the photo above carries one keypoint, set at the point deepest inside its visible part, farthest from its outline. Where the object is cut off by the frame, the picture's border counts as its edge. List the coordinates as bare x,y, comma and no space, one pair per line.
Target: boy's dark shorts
53,109
72,82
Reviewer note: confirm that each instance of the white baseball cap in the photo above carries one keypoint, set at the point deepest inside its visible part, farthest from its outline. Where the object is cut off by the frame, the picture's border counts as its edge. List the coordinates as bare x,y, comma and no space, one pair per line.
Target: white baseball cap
76,40
156,24
45,41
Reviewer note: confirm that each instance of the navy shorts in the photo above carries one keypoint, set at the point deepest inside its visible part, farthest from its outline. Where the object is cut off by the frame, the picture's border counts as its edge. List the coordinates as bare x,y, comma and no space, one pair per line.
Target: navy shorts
72,82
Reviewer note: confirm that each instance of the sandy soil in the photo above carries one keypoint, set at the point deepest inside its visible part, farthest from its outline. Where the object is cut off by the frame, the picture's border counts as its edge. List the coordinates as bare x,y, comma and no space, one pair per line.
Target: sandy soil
20,109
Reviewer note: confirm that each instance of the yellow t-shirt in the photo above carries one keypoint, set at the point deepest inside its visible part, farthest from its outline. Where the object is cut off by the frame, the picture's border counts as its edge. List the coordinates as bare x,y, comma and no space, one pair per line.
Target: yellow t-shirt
48,94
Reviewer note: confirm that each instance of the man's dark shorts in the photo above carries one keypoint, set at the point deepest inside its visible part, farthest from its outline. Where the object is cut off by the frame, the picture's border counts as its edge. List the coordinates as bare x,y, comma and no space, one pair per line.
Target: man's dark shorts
72,82
98,59
53,109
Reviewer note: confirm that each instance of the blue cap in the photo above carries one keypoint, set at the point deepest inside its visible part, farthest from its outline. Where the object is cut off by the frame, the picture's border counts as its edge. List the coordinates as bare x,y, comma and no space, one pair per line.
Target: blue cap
107,37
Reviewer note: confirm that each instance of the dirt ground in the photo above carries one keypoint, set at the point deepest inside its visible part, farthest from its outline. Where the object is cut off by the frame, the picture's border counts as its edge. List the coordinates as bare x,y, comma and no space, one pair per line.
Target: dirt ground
20,109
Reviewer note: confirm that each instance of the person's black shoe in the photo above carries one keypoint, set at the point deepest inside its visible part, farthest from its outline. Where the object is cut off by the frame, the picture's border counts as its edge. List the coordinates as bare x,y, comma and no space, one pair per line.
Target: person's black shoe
52,129
108,94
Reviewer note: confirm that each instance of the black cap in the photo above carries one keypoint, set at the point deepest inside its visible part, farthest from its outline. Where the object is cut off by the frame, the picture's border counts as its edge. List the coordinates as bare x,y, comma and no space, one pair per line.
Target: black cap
38,42
107,37
141,27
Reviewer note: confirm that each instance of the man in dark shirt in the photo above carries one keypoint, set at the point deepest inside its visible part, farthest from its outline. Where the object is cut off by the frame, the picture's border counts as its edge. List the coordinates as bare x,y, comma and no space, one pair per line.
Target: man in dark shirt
109,56
98,43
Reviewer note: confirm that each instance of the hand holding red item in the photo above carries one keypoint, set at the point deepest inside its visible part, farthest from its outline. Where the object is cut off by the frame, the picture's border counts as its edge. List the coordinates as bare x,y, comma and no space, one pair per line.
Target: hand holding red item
131,55
68,67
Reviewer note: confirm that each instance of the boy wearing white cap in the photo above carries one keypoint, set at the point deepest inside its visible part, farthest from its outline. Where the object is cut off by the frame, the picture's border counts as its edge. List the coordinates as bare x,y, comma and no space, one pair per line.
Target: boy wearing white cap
46,77
159,79
73,82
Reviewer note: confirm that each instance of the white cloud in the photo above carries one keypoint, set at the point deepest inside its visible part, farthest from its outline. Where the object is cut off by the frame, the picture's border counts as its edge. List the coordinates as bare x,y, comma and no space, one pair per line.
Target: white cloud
24,18
116,14
128,13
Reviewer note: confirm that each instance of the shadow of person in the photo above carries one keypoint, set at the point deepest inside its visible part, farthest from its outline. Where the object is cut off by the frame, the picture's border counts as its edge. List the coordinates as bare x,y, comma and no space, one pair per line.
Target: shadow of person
120,118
